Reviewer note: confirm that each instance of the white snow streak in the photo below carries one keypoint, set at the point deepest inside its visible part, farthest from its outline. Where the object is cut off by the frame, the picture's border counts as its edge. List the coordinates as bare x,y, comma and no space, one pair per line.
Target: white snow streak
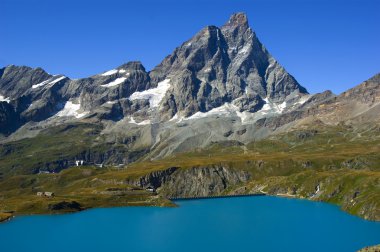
273,108
229,109
154,95
225,110
115,82
3,99
246,90
48,82
114,71
245,49
71,109
40,84
145,122
110,72
175,117
57,80
207,70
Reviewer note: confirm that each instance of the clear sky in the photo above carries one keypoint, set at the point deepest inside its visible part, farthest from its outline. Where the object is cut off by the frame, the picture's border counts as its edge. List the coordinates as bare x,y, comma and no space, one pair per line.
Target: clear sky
324,44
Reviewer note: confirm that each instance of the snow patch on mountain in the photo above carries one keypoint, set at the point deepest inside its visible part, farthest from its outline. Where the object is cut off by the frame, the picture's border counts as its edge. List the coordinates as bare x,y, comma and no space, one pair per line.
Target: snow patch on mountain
40,84
114,71
174,118
272,108
71,109
227,110
5,99
48,82
115,82
110,72
245,49
154,95
57,80
244,116
145,122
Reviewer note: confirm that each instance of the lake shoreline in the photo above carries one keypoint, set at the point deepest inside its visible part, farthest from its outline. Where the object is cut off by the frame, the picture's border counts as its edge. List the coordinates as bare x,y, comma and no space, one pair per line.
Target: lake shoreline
206,220
4,217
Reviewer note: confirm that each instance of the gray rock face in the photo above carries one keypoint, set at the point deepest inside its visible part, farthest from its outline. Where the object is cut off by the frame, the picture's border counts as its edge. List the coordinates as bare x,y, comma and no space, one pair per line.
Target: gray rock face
9,118
33,95
194,182
99,89
220,65
216,66
23,86
15,81
221,86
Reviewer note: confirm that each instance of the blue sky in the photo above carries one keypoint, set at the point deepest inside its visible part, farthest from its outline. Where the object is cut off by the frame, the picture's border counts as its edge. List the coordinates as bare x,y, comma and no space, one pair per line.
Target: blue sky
324,44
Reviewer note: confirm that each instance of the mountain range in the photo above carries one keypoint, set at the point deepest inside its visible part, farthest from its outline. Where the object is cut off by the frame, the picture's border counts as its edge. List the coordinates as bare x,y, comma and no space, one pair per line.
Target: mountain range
220,89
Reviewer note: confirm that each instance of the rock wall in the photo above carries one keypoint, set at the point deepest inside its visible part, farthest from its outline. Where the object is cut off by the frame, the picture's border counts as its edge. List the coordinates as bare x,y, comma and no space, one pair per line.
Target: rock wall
198,181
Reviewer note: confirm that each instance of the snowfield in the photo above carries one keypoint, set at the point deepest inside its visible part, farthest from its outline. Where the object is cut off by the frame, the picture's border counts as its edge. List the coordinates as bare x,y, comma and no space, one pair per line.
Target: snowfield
71,109
115,82
229,109
226,110
154,95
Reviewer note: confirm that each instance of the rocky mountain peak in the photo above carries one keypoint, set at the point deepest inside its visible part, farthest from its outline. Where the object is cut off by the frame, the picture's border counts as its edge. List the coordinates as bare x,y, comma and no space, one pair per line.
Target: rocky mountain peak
237,20
133,66
221,65
218,68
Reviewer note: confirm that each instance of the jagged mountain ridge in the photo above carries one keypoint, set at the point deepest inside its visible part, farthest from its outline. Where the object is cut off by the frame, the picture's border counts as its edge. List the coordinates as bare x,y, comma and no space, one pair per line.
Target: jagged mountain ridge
217,66
221,86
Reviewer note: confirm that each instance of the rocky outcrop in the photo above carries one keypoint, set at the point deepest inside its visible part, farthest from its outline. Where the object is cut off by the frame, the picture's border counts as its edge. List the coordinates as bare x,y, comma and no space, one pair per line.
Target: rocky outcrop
16,80
155,179
192,182
65,206
5,216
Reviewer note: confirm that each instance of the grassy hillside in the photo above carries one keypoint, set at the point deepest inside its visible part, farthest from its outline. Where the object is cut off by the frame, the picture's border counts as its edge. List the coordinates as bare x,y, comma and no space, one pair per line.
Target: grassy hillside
83,186
356,191
56,148
342,161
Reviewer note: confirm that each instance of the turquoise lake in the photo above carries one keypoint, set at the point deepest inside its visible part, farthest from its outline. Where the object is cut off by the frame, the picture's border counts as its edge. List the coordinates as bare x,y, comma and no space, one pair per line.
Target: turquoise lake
224,224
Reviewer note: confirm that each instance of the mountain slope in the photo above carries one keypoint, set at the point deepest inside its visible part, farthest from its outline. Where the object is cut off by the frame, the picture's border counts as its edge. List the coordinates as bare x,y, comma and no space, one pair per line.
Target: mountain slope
221,86
216,66
219,65
217,116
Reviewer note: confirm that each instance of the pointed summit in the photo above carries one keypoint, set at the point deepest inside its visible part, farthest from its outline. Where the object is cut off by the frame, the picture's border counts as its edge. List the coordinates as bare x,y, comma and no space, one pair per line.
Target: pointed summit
223,65
237,19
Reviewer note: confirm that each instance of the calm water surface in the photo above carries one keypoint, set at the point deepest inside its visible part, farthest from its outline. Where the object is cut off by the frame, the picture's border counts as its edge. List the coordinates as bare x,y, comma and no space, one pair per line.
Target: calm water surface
228,224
